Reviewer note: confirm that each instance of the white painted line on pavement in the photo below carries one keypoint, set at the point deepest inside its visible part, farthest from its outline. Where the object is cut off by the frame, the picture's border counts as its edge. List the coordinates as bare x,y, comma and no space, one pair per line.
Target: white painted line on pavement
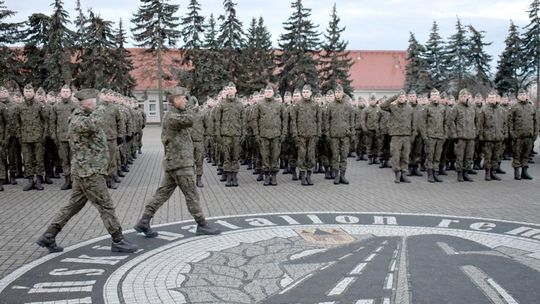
370,257
389,281
384,243
502,292
366,301
358,269
341,286
295,283
345,256
379,249
359,249
329,264
386,301
393,267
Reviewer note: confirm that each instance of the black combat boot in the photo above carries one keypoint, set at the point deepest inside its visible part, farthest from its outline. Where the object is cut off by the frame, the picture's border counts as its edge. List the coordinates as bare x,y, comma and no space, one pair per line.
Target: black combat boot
430,177
363,157
12,179
403,178
260,176
228,177
140,151
267,179
466,177
48,240
383,164
143,226
287,169
308,179
114,186
219,171
255,171
487,175
303,180
108,182
336,177
116,179
472,172
376,161
30,185
342,178
423,167
234,179
120,173
452,166
499,170
120,244
410,171
397,177
67,183
250,166
517,174
204,228
1,185
359,157
525,174
48,179
436,177
333,173
134,155
294,174
494,176
130,161
56,173
199,181
460,176
273,179
223,177
327,173
416,172
371,158
281,164
125,168
442,171
476,165
39,183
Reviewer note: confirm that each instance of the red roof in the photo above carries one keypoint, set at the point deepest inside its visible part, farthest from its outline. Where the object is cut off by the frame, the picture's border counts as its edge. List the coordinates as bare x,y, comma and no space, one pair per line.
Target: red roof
371,70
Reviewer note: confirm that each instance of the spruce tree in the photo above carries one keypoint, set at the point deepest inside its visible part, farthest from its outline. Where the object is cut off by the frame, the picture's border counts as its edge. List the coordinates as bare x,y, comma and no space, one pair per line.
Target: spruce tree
458,58
231,42
97,61
299,44
508,78
121,79
34,49
9,34
155,28
480,60
416,75
436,60
258,57
212,62
193,26
335,59
58,48
79,42
531,47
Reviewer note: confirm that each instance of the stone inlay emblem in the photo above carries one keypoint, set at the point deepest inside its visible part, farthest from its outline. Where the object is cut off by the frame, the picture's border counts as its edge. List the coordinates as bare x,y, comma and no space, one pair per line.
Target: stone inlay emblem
323,257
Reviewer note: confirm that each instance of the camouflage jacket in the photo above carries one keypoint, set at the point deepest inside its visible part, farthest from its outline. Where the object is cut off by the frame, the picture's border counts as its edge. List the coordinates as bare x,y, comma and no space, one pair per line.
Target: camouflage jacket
229,118
197,130
3,123
113,121
522,120
32,121
340,119
306,119
383,123
462,121
358,111
88,144
492,123
13,127
247,123
60,119
270,119
208,122
176,139
433,124
369,121
417,116
48,120
400,120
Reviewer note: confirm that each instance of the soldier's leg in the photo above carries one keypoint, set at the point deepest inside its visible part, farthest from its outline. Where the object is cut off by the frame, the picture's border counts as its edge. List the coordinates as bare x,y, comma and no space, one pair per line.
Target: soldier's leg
227,153
187,186
488,148
302,153
235,153
405,153
395,150
437,151
29,160
198,153
344,151
311,147
370,144
265,155
528,144
498,150
431,144
459,150
517,154
469,154
113,150
96,191
12,155
162,194
335,153
76,202
275,150
3,169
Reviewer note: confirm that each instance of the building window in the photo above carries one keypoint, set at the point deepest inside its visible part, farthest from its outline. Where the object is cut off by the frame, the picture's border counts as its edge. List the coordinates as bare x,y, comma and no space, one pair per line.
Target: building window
152,108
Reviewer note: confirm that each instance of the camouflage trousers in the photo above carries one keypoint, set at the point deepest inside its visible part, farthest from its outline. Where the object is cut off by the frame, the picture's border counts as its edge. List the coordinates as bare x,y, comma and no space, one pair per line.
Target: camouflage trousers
33,159
464,150
64,153
372,143
400,147
434,147
50,156
139,139
289,151
492,153
256,158
198,154
360,147
340,151
14,156
231,153
478,150
112,169
209,146
218,157
416,150
324,150
270,149
93,189
306,152
169,182
383,144
522,150
3,162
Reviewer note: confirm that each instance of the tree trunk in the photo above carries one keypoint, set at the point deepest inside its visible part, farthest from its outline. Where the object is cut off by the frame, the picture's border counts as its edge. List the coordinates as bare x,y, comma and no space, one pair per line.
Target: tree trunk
160,83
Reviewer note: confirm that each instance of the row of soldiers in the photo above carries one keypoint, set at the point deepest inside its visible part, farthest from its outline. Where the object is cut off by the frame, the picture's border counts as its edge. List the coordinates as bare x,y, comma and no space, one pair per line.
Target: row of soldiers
34,135
408,133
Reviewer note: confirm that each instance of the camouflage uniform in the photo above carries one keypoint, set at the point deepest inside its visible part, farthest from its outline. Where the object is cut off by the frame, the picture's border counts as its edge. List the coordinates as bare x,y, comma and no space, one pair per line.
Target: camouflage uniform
142,125
177,163
218,151
369,122
523,128
306,118
13,135
492,131
115,130
462,126
32,123
383,140
209,134
3,145
340,128
197,136
229,117
324,147
270,129
433,131
61,112
478,144
418,143
361,147
401,127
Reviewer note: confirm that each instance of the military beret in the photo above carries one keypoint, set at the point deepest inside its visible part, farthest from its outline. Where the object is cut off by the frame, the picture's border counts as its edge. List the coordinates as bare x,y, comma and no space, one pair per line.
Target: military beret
306,87
40,91
177,91
318,95
17,94
28,87
434,91
2,88
478,95
412,92
444,95
522,91
296,91
86,94
231,85
51,93
402,92
330,92
372,97
269,87
339,88
492,92
66,86
288,93
464,92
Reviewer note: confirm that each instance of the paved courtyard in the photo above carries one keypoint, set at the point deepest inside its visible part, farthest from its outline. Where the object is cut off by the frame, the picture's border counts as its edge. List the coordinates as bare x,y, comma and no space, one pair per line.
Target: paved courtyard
25,215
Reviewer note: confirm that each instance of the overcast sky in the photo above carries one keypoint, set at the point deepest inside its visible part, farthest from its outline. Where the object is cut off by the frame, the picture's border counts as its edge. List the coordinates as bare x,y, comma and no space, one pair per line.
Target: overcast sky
371,25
